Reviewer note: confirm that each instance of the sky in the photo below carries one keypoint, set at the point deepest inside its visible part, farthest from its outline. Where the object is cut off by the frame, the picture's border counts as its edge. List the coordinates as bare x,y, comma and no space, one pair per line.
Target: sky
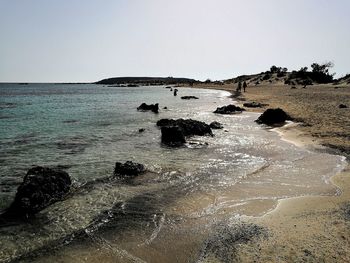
86,40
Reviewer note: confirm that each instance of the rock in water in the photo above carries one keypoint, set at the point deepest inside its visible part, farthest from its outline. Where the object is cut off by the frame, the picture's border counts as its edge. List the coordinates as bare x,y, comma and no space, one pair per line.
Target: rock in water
216,125
273,116
40,187
152,107
172,136
188,127
128,169
229,109
189,98
342,106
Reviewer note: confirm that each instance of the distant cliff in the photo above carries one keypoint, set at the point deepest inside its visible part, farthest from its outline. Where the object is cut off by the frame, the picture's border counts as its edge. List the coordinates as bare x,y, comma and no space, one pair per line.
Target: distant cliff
146,80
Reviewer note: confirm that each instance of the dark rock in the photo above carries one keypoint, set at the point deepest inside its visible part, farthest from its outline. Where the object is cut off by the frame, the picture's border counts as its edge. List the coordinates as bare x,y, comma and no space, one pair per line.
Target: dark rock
40,187
141,130
128,169
229,109
254,105
165,108
175,92
273,116
152,107
293,87
189,98
189,127
168,87
342,106
172,136
216,125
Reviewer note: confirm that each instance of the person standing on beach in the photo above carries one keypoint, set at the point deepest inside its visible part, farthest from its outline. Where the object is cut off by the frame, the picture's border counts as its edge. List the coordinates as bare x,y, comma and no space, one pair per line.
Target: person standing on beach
239,88
244,86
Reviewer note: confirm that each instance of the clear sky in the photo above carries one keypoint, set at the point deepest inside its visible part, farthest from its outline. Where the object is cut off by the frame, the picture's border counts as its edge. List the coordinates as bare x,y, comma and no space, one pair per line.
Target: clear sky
86,40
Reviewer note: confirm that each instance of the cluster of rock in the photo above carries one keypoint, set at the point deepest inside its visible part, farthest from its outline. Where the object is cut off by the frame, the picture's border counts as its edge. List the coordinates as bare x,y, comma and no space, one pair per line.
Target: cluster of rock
40,188
216,125
273,116
229,109
189,98
151,107
128,169
175,131
254,105
43,186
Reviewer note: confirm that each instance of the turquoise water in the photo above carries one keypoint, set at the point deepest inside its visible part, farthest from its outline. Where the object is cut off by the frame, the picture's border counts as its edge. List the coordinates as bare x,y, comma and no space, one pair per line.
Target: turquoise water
243,170
86,128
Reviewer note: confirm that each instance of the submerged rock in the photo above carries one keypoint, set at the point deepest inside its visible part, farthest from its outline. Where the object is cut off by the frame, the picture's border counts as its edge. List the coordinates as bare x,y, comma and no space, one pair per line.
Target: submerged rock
189,98
172,136
273,116
151,107
229,109
40,187
216,125
128,169
189,127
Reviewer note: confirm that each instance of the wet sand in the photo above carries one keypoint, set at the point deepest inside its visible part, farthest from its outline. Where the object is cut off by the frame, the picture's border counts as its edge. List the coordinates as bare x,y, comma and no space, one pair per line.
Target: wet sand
304,229
312,228
316,107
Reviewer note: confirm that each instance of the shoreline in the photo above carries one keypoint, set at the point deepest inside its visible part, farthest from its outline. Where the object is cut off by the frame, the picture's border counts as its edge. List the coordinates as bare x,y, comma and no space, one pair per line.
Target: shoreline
309,228
278,215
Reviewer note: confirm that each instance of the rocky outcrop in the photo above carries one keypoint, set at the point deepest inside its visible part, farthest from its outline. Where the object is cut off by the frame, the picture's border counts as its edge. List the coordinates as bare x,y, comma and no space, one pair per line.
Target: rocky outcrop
229,109
189,127
152,107
40,187
189,98
128,169
254,105
172,136
216,125
273,116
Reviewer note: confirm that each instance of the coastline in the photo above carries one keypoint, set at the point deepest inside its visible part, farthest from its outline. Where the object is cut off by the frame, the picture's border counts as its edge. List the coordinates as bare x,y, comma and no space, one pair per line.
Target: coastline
277,216
311,228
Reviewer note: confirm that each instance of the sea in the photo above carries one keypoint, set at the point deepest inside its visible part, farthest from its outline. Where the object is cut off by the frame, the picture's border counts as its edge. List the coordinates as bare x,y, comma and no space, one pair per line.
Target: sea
173,212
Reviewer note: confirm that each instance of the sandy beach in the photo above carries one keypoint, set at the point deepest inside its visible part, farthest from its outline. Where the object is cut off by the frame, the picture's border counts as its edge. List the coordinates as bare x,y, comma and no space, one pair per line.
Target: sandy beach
310,228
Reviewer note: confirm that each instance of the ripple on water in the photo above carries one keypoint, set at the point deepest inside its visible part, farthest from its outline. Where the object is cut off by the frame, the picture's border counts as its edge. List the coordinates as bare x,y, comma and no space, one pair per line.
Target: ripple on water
174,208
